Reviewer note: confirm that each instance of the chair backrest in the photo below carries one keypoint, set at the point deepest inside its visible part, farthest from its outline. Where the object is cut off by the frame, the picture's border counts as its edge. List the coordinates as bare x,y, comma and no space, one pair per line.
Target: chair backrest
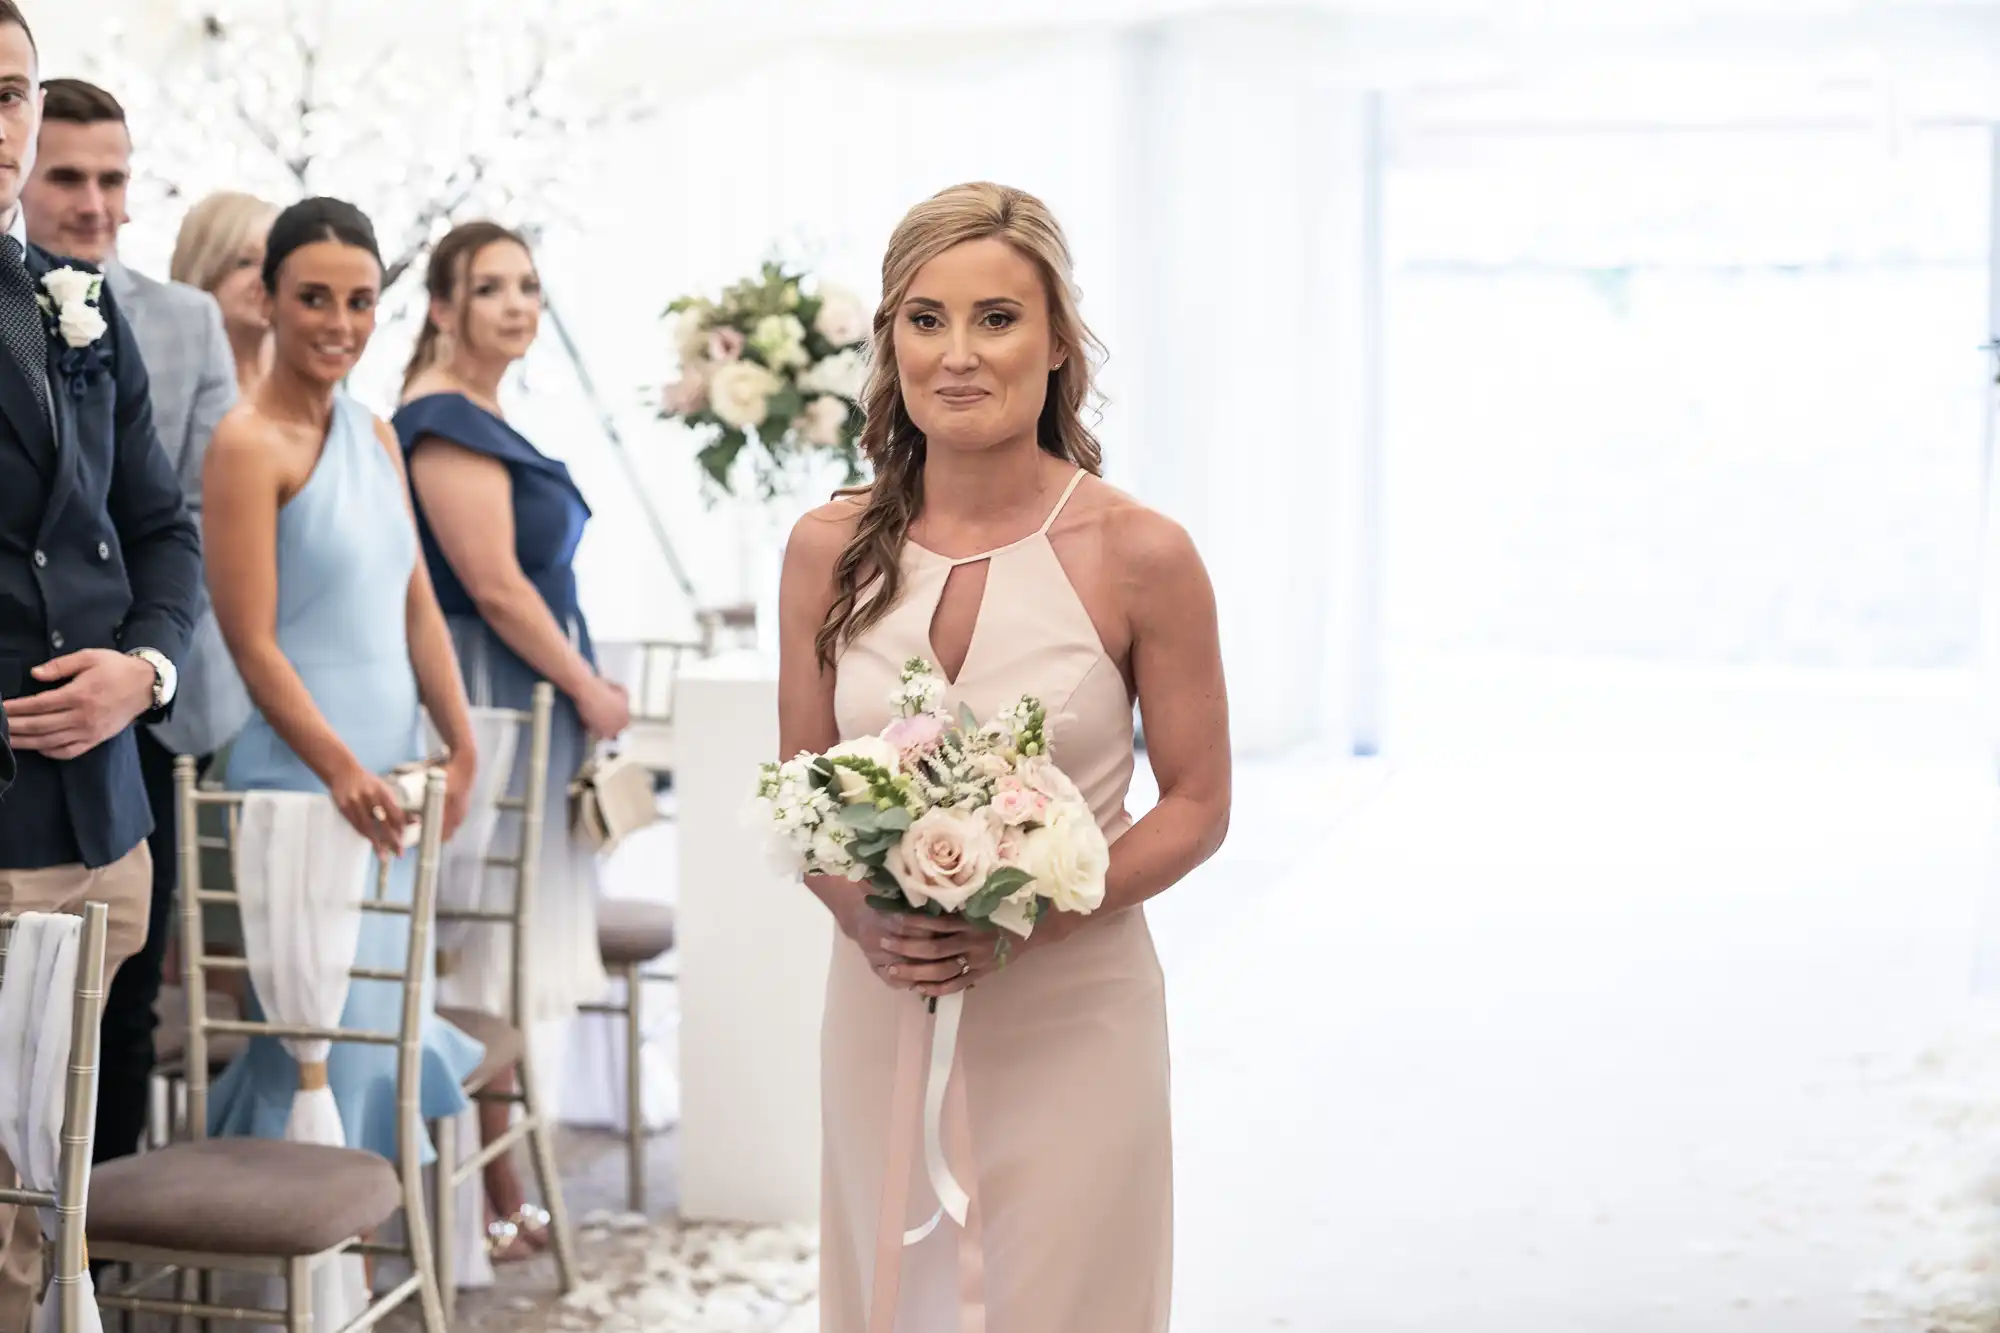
651,673
651,678
79,1118
197,962
525,860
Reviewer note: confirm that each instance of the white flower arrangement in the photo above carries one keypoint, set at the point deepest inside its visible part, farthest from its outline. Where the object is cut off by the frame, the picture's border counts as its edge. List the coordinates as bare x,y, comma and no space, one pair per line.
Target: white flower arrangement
776,363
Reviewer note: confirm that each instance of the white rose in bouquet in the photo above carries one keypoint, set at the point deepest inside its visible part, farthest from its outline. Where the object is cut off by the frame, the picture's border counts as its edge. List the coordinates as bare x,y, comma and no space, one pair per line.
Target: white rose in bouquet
1068,857
822,422
842,319
944,857
739,393
854,789
844,374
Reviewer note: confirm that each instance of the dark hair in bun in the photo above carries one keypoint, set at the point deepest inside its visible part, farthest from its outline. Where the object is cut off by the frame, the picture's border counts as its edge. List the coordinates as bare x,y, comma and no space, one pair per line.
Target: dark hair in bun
310,221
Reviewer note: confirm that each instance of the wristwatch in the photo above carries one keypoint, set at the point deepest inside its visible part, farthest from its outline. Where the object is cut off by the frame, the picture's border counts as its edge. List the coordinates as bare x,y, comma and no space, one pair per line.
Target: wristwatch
165,678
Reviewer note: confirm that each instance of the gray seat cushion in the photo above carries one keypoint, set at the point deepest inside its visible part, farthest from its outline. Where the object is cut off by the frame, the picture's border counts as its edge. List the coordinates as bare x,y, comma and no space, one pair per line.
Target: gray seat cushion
241,1196
631,930
502,1039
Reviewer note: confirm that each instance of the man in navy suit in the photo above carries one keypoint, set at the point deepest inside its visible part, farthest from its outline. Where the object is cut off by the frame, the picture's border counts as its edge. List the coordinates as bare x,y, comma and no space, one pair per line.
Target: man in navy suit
100,573
74,201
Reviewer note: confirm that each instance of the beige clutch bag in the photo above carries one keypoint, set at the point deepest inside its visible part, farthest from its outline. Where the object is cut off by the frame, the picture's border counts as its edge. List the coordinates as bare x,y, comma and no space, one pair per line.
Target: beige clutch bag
610,799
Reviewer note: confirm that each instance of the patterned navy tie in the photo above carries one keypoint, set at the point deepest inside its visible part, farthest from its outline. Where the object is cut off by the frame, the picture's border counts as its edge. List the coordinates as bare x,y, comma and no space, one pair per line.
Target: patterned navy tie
21,323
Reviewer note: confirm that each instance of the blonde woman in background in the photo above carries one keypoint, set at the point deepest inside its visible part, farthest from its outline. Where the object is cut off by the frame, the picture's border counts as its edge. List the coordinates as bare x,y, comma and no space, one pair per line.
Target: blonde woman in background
221,250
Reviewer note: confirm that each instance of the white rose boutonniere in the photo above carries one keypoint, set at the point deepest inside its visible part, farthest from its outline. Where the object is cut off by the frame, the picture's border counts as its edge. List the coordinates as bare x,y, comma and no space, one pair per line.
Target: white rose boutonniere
70,299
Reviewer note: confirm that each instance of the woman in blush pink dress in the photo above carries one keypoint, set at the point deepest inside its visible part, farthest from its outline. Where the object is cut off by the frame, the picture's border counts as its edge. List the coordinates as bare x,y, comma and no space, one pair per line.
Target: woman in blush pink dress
988,544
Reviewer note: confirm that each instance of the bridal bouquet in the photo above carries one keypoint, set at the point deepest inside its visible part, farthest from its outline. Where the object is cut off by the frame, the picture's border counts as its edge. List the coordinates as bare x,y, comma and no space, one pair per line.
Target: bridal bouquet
773,361
940,814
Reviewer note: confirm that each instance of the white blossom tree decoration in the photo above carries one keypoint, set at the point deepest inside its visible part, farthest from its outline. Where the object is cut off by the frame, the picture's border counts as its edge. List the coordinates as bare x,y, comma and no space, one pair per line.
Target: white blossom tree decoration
422,115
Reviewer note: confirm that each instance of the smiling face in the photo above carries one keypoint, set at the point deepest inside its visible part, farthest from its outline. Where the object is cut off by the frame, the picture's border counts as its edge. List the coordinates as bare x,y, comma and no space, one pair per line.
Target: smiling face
496,309
975,346
76,195
323,312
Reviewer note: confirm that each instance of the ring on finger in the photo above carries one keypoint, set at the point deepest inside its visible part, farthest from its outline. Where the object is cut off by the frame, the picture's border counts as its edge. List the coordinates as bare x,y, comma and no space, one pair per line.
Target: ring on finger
381,815
964,965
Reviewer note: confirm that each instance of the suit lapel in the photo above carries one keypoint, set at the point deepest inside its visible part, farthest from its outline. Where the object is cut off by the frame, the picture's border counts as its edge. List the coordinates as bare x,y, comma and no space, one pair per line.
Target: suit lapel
62,429
24,414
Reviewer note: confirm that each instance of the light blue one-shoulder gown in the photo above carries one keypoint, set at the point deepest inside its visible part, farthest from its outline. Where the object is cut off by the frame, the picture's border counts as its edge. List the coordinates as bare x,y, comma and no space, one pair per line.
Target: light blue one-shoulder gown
346,551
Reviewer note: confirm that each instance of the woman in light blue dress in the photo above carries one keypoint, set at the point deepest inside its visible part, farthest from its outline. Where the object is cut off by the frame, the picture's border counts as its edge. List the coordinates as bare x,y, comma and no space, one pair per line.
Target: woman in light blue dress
314,571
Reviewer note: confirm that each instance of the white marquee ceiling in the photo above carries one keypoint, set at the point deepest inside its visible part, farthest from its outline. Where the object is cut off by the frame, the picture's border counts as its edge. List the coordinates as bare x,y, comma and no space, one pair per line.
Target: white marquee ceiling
1943,56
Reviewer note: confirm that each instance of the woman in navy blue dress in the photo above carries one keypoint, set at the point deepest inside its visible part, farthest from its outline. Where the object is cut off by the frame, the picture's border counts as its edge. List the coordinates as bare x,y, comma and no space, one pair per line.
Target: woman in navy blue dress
500,522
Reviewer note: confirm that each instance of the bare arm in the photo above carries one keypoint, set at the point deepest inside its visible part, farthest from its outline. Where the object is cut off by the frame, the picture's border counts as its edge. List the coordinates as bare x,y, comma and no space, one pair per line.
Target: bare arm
432,655
1177,663
240,496
805,691
469,500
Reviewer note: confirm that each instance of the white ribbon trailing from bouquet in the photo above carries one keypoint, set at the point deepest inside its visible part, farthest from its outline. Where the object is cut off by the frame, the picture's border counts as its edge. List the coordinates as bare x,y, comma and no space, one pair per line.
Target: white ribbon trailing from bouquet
952,1198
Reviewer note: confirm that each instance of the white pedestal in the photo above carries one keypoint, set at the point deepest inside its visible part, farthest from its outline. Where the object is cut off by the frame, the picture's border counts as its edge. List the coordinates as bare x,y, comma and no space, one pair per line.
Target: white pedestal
753,957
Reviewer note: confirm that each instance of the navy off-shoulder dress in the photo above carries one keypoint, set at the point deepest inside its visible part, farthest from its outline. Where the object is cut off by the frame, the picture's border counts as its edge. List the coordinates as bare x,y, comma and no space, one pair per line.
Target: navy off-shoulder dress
549,515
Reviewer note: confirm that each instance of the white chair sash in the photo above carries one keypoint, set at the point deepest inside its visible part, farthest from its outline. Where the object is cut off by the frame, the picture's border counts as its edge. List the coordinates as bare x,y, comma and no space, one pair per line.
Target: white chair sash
462,879
477,956
37,999
300,871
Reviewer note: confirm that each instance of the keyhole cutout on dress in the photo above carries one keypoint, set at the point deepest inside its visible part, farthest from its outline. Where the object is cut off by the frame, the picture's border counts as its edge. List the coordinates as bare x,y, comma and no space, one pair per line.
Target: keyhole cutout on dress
955,622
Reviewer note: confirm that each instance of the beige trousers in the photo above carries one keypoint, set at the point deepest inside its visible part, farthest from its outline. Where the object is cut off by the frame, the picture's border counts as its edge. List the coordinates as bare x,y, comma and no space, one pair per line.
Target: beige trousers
126,887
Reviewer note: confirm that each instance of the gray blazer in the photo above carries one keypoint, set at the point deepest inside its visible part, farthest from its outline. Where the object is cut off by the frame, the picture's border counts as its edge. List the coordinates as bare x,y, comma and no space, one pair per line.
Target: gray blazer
193,373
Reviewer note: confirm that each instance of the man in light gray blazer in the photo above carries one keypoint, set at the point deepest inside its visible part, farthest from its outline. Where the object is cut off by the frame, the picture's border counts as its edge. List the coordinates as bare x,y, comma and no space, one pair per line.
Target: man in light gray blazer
75,205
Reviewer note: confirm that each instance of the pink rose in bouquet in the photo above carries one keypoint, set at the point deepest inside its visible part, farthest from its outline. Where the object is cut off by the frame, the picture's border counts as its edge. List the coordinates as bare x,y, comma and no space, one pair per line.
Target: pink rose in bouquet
945,857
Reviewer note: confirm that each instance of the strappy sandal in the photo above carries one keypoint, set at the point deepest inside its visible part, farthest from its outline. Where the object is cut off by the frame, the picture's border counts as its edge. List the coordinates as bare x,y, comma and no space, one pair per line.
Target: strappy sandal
505,1244
532,1224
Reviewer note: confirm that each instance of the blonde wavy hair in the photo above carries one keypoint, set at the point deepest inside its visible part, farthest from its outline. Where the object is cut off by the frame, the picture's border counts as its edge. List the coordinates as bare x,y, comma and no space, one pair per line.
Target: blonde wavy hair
870,564
213,233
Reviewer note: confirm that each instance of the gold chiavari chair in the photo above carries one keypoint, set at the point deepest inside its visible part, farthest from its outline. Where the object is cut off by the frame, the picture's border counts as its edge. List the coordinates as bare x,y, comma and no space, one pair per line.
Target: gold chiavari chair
635,932
507,1046
270,1206
79,1119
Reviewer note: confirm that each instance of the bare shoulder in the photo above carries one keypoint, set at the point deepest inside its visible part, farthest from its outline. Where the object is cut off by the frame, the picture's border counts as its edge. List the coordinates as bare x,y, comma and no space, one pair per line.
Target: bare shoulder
822,533
1140,538
243,435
